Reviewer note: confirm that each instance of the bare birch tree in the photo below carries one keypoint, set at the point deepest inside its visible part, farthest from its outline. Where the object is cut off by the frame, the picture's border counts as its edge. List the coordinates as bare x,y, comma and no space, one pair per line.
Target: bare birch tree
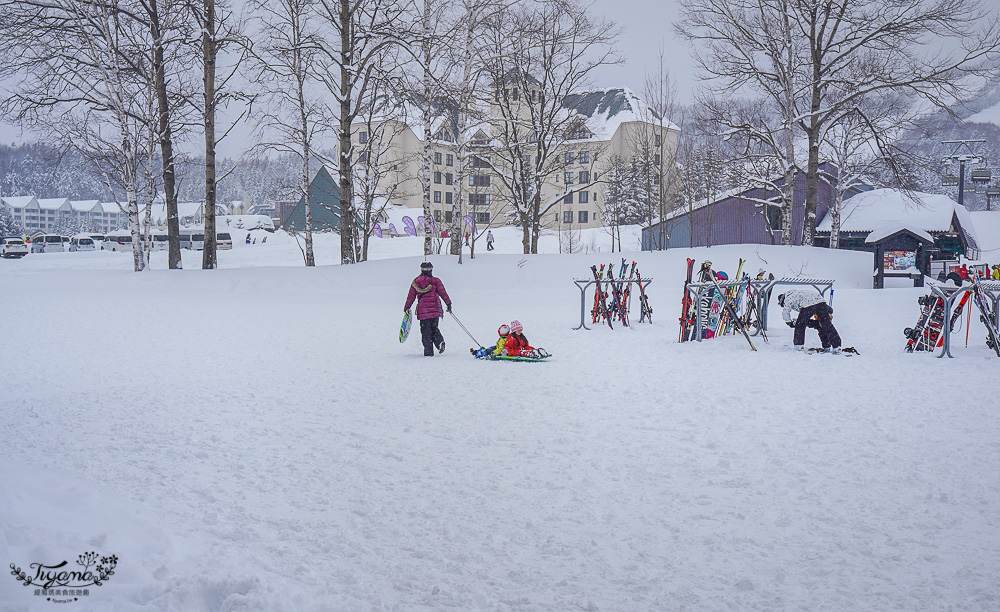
80,69
536,54
293,118
360,37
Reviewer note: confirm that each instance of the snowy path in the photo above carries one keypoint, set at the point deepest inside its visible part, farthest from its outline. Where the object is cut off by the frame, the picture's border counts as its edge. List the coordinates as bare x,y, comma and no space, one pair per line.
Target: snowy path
256,439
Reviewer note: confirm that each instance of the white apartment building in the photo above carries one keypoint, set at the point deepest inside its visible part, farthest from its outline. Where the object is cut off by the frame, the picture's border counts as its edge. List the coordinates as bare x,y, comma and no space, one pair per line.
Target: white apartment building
613,123
44,215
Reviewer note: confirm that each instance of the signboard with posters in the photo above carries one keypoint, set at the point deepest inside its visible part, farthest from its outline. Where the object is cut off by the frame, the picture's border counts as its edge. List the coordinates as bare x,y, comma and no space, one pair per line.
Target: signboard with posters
899,260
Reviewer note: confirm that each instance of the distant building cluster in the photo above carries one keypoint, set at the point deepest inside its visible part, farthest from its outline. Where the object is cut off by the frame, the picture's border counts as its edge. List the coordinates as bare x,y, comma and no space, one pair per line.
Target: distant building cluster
45,215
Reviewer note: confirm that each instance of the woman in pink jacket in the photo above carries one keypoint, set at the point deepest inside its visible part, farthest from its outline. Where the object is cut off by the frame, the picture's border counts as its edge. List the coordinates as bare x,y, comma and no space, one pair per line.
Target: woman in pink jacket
428,291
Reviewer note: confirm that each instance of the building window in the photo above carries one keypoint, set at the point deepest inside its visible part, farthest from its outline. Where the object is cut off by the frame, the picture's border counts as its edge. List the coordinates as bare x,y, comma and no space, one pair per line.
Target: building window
568,217
449,178
437,158
437,197
480,162
569,157
656,140
479,199
584,197
513,94
437,178
568,178
584,177
363,137
363,157
449,160
483,218
437,216
568,199
584,157
447,214
583,217
656,159
449,198
479,180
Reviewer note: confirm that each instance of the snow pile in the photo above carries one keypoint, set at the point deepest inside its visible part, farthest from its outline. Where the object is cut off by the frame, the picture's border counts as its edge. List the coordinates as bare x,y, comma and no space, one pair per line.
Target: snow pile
287,453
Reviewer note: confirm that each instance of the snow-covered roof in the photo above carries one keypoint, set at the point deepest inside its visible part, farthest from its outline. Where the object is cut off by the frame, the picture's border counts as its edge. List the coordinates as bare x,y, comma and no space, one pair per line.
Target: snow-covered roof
892,228
878,208
85,205
54,204
110,207
607,109
19,201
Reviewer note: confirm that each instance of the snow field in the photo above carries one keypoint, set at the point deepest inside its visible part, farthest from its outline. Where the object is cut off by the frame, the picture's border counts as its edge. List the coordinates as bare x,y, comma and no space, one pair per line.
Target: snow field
255,438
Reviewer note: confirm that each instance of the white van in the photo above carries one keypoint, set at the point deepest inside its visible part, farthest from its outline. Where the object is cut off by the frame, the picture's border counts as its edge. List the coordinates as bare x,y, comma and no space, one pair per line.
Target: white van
81,242
192,240
223,241
159,240
49,243
118,240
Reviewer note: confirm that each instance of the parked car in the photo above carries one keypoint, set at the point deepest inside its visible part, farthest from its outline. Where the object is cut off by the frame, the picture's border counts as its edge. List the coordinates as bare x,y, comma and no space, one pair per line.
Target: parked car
118,240
49,243
97,238
81,242
11,247
223,241
159,240
192,240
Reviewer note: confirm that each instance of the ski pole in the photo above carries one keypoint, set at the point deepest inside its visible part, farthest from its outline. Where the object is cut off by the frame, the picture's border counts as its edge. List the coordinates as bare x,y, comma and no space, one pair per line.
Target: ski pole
465,330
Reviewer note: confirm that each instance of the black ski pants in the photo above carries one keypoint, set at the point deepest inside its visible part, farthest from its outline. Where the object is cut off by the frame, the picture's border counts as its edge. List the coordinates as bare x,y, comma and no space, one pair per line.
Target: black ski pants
823,324
430,335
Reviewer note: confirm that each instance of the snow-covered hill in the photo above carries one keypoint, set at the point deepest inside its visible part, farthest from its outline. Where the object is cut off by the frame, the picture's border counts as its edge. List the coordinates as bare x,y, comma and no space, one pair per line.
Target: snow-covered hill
255,438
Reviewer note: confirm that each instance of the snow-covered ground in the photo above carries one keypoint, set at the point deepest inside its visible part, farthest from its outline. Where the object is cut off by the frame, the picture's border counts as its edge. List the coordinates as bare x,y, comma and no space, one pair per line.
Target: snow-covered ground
255,438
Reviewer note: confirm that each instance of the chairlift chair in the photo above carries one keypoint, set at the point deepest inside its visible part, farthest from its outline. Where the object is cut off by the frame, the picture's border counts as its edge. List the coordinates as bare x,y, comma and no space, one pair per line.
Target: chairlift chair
949,180
981,175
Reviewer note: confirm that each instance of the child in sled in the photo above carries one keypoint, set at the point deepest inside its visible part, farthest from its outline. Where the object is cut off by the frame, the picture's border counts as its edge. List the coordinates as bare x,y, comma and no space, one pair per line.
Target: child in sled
494,351
517,344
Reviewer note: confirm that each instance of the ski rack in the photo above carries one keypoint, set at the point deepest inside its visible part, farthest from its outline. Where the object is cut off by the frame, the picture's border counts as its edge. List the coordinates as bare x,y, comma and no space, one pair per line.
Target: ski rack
696,289
584,283
763,290
990,290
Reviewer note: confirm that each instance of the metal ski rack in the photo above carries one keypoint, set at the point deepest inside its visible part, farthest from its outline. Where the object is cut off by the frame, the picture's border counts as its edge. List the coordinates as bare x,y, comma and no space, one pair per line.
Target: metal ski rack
696,290
989,290
584,283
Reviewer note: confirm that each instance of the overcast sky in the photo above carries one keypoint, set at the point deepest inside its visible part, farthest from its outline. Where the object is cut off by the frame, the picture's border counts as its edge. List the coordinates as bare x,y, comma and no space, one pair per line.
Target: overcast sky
647,25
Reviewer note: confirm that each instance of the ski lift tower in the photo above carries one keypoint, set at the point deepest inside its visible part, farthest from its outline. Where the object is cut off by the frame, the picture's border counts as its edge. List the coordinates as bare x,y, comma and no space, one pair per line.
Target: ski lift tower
963,153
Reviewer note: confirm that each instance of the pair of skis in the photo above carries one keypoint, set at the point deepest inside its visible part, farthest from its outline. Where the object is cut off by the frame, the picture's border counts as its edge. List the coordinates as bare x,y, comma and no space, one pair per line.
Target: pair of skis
707,274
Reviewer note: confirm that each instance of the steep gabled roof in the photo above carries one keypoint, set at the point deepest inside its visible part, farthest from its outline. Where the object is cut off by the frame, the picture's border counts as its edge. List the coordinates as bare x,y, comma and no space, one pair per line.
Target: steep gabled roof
19,201
54,204
609,108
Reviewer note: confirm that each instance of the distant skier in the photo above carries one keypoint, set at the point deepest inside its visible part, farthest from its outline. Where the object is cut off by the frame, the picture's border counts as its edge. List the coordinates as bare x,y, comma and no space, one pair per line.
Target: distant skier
248,238
428,291
489,240
813,312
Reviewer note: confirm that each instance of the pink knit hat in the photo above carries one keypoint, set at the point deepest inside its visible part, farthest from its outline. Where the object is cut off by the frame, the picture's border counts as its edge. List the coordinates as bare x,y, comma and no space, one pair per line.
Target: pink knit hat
515,326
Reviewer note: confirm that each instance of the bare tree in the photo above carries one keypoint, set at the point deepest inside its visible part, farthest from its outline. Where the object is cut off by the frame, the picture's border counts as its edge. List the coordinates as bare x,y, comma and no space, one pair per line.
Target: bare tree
802,53
221,33
361,40
81,70
536,54
293,119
